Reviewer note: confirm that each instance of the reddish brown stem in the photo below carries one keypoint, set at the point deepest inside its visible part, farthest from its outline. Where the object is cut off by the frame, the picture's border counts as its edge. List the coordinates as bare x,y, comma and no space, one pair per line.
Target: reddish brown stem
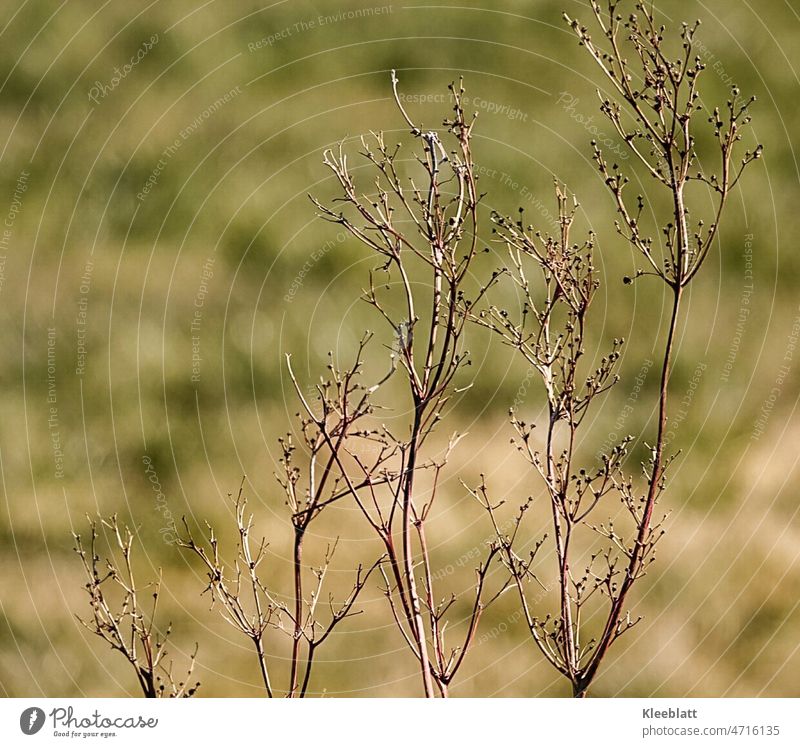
408,558
298,609
634,564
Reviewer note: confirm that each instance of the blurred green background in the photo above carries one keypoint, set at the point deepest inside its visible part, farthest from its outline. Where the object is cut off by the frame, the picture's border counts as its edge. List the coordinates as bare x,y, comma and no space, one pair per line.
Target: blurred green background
248,95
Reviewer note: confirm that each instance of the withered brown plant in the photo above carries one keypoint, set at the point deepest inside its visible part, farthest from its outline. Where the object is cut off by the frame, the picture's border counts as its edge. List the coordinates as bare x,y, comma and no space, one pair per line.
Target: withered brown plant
122,617
656,109
419,218
557,283
248,600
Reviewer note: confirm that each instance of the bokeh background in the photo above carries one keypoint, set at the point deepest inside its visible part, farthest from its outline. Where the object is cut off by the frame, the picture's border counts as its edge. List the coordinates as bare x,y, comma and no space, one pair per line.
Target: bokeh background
101,272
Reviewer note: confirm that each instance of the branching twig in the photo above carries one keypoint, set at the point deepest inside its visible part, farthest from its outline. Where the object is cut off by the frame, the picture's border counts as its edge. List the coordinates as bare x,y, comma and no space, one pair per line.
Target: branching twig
660,93
654,106
416,223
119,618
328,427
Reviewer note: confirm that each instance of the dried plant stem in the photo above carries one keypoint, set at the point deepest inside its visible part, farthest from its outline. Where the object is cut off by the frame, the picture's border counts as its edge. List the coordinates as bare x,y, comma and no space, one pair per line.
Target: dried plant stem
297,561
343,402
635,562
438,200
123,623
550,336
408,553
662,101
654,106
419,219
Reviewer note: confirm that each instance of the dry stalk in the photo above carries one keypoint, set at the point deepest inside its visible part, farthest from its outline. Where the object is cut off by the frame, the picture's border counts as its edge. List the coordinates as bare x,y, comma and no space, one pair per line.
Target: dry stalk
120,619
422,227
419,219
244,599
654,107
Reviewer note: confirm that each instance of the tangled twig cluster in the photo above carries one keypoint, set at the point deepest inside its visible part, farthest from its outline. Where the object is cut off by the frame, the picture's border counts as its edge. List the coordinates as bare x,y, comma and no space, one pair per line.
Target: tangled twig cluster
120,618
419,219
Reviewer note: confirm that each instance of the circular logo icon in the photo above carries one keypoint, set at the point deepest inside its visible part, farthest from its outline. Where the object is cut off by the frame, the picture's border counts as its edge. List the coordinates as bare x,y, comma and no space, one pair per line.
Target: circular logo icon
31,720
